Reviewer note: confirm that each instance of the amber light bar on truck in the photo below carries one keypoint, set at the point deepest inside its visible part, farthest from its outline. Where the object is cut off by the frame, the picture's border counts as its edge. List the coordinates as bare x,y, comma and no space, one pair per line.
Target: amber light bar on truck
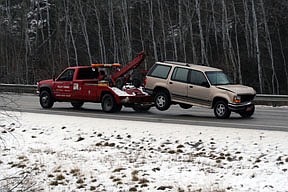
105,65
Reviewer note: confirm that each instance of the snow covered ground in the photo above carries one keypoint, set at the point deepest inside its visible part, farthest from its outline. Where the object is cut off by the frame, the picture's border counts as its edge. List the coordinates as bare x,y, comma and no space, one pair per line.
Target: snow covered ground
61,153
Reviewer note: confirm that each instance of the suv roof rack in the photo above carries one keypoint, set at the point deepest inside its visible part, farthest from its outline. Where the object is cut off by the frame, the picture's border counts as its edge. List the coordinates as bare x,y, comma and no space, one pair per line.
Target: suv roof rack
177,63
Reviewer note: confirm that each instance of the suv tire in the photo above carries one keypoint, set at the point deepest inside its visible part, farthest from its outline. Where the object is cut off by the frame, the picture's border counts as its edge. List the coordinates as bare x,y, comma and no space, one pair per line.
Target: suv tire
162,100
46,100
221,110
247,114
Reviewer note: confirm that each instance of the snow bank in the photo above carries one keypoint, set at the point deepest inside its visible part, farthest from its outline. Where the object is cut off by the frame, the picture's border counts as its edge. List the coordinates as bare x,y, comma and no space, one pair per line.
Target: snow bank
61,153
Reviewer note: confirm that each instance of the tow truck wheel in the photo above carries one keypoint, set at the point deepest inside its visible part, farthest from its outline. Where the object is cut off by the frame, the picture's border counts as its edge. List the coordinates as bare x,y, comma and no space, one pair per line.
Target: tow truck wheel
120,82
221,110
46,100
248,114
108,104
77,104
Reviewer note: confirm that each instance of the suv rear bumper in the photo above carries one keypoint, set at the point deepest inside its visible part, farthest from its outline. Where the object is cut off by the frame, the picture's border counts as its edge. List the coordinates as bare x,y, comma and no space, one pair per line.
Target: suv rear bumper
240,107
149,91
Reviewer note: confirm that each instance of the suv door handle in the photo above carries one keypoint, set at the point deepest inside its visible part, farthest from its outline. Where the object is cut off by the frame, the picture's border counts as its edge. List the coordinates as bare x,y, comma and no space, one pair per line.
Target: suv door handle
171,83
190,86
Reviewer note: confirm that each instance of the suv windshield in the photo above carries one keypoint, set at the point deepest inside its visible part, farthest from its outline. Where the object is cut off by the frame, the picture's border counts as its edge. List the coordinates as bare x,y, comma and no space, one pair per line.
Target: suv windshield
218,78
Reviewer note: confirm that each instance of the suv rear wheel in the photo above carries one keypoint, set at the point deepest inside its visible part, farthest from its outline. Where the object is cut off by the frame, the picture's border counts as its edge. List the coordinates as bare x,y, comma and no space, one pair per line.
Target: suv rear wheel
162,100
221,110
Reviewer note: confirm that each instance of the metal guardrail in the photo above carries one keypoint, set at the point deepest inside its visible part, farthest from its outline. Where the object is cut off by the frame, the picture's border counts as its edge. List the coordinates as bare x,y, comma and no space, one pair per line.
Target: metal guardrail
18,88
260,99
274,100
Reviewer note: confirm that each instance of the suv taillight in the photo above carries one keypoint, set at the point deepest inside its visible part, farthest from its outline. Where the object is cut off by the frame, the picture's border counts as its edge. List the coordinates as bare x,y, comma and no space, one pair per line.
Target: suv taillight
145,81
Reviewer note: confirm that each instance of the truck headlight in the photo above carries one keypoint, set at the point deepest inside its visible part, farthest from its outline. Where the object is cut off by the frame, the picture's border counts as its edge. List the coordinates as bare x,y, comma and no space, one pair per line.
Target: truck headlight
237,99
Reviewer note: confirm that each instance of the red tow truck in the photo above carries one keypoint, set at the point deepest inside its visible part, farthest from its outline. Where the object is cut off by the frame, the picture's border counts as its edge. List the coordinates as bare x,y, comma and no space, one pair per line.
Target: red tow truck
97,83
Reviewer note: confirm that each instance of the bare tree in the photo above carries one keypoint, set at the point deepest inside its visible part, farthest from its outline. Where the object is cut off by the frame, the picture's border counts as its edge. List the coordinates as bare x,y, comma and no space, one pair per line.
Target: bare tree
270,51
203,49
257,49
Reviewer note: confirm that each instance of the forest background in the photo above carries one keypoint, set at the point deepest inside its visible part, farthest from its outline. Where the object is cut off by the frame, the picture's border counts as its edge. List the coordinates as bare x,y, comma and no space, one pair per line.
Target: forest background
246,38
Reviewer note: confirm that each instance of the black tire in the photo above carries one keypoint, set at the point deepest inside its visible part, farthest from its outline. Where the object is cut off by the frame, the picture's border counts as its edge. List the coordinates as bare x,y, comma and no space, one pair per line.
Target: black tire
46,100
185,106
162,100
141,108
109,104
77,104
136,82
118,108
221,110
247,114
120,82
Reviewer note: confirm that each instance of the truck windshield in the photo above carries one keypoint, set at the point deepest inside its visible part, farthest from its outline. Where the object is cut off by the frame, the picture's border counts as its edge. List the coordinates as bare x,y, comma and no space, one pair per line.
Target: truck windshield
218,78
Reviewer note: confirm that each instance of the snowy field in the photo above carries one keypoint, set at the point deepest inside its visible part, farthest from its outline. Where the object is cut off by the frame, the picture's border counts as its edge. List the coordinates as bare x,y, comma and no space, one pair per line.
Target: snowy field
60,153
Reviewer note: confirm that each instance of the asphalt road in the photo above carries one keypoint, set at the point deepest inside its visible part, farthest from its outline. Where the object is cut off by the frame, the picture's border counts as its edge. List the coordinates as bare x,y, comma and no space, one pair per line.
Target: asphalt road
265,118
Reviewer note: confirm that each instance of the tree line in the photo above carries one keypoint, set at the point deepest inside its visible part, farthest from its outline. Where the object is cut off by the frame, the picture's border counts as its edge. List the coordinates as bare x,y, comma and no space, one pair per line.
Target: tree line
245,38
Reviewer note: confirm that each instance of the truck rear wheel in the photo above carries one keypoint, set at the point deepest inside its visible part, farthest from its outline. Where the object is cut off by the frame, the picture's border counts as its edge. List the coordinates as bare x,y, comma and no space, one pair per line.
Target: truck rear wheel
109,104
46,100
77,104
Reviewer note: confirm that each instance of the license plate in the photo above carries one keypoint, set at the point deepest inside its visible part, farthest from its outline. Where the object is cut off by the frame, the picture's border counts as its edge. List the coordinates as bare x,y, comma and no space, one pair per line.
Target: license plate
249,108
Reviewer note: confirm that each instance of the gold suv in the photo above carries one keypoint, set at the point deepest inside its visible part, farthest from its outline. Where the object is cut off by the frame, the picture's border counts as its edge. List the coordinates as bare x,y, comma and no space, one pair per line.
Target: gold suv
188,84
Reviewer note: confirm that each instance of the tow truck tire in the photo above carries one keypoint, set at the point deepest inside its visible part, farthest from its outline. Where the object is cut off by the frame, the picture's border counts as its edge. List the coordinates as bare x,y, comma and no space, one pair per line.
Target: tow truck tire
247,114
77,104
221,110
136,82
46,99
162,100
120,82
109,104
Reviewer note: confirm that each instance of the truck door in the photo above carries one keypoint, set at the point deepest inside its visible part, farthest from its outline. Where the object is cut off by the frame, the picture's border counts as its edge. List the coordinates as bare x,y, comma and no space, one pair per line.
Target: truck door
63,86
178,84
198,88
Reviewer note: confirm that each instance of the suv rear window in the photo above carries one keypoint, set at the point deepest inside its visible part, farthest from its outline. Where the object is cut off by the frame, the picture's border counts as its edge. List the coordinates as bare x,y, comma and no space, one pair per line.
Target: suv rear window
160,71
180,74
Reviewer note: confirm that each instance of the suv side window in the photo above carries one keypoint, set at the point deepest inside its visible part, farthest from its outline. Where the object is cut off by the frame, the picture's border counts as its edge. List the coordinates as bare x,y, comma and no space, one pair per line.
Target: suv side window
160,71
180,74
67,75
198,78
